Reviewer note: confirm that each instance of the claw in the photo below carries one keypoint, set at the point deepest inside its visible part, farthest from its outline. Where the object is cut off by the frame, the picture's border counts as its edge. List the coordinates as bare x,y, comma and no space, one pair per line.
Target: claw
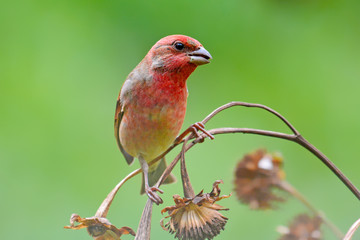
194,129
199,126
157,190
151,192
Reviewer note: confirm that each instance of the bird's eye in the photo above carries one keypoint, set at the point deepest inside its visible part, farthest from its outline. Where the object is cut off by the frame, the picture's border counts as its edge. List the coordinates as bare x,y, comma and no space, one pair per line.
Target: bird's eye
179,46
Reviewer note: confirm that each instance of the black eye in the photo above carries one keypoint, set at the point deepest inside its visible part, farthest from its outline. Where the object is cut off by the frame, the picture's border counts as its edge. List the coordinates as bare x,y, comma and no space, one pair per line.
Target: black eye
179,46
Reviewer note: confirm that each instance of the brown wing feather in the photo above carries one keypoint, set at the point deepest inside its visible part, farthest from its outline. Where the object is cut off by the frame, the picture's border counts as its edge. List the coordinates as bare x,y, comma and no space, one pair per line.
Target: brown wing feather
119,112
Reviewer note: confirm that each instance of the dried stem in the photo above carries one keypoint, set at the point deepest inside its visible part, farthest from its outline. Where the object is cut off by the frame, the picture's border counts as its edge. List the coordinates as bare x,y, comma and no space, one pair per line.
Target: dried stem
352,230
303,142
294,192
105,205
143,232
188,189
174,162
295,137
254,105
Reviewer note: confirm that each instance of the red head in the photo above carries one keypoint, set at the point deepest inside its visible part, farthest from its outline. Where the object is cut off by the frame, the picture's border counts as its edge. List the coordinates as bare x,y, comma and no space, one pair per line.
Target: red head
178,53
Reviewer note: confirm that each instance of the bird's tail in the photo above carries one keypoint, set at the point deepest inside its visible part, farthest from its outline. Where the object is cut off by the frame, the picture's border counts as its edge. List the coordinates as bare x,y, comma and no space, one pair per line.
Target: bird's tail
155,174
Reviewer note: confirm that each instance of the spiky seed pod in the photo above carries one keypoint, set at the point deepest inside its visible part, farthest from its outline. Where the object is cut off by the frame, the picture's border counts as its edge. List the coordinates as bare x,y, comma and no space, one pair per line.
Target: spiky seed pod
196,218
303,227
256,176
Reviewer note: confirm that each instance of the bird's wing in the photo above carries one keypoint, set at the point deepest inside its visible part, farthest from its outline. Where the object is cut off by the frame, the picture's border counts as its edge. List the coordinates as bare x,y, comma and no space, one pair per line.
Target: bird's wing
119,113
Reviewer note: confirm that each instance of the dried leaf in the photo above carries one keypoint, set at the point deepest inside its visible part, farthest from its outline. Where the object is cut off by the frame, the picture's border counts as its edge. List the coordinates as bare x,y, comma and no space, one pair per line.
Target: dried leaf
99,228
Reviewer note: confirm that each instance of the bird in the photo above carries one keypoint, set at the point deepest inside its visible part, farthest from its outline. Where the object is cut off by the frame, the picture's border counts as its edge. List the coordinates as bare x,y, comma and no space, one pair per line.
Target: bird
151,105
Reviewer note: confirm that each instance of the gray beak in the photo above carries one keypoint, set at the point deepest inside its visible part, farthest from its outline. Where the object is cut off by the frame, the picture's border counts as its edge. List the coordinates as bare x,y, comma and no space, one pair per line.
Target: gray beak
200,56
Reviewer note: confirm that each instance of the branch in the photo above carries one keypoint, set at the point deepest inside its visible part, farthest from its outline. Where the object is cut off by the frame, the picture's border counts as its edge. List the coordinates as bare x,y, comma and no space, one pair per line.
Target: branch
295,137
294,192
352,230
105,205
143,232
187,187
254,105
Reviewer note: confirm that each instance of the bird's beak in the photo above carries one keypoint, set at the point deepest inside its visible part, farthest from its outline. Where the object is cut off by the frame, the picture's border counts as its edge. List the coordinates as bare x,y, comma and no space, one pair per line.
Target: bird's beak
200,56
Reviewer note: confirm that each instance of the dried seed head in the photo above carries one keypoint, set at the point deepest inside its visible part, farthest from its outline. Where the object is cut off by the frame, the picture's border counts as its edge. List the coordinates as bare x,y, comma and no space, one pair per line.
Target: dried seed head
196,218
256,176
302,227
99,228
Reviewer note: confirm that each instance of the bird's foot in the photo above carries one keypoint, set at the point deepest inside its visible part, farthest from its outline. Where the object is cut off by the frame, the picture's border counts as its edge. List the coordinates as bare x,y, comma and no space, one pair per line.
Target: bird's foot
199,126
151,192
194,128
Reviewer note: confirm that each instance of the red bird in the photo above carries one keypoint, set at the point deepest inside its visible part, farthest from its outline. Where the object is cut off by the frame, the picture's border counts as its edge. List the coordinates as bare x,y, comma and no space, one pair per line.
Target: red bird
151,105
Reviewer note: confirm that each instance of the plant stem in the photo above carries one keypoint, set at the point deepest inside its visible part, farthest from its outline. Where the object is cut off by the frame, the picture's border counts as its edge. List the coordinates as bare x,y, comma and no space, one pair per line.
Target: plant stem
254,105
143,232
105,205
188,189
296,137
303,142
294,192
352,230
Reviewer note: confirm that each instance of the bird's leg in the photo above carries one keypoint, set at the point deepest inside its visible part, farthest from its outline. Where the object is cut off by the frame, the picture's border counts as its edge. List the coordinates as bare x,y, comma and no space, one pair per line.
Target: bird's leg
150,191
194,128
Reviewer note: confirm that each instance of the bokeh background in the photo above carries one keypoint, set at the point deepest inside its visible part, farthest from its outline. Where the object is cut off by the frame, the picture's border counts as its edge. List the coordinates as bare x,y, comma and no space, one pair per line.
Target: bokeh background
62,64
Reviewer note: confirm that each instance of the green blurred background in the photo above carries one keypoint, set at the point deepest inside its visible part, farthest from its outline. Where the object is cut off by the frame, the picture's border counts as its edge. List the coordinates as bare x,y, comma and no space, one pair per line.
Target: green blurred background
62,64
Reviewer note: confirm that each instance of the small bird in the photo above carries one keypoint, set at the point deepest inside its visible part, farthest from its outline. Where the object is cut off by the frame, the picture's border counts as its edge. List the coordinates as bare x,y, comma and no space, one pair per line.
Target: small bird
151,106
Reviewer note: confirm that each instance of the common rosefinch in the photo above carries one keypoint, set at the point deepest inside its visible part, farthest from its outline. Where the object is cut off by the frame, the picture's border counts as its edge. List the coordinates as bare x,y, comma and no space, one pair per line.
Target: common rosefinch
151,105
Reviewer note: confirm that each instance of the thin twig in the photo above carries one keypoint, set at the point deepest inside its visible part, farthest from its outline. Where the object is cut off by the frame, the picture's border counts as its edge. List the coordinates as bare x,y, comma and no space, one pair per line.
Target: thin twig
105,205
171,166
143,232
303,142
217,131
294,192
255,105
352,230
298,139
295,137
187,187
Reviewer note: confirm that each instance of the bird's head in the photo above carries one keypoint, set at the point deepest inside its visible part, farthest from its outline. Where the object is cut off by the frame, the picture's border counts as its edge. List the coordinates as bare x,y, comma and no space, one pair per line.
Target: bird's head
178,53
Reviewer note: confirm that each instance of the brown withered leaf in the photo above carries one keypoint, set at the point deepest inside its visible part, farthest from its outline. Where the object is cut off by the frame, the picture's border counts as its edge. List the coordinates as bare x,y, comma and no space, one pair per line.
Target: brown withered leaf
303,227
98,227
196,218
257,175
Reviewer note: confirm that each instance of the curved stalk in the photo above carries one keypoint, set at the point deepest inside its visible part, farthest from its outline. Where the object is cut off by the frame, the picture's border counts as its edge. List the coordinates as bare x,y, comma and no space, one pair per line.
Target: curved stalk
352,230
294,192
